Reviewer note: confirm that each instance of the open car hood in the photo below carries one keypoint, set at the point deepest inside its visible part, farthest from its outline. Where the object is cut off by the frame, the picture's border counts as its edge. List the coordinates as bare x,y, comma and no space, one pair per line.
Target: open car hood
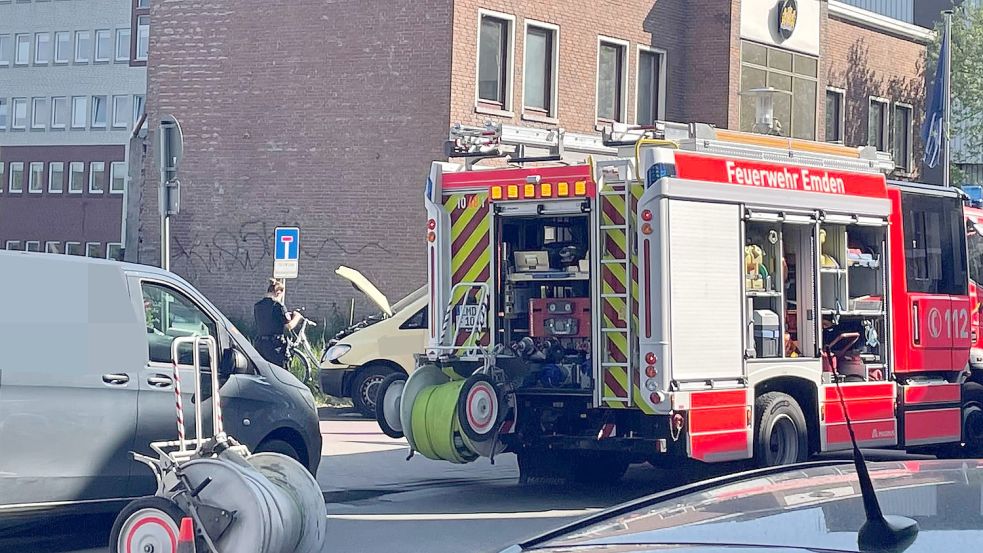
366,287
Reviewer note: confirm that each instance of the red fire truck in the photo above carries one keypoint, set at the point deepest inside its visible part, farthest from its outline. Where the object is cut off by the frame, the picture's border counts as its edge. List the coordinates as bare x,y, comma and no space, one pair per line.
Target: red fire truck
696,294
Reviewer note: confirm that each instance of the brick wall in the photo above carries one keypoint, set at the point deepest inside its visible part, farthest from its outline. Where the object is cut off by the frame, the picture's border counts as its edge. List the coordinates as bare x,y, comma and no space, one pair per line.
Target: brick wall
321,115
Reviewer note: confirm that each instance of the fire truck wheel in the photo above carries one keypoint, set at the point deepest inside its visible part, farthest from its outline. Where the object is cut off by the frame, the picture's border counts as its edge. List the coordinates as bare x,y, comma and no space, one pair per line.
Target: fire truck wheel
387,405
146,524
781,435
366,386
973,420
598,468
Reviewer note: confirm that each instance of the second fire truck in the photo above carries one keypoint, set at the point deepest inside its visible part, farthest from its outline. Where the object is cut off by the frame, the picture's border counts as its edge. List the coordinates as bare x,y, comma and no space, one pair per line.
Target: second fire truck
701,294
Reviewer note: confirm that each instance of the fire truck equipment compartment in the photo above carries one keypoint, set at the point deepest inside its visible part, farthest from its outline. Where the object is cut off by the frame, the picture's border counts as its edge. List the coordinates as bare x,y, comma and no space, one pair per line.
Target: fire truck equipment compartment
767,332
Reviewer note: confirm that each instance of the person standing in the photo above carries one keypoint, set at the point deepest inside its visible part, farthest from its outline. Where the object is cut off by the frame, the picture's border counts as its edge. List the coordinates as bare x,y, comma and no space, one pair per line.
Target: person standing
272,322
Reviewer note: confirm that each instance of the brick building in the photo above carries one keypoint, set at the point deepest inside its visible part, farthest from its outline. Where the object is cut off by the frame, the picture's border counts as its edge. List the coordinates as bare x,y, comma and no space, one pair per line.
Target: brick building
72,84
330,122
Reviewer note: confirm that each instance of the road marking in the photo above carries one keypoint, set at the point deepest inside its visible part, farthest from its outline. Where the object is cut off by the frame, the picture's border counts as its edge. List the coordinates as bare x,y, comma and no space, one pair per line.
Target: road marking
558,513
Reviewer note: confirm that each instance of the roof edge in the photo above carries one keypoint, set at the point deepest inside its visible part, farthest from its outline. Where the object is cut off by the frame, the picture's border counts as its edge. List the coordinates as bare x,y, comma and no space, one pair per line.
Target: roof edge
879,22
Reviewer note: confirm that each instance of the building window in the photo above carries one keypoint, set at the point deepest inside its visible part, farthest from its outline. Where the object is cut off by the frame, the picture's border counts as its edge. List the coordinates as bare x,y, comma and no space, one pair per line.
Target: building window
878,124
143,3
6,45
651,86
12,245
901,138
121,111
3,113
611,81
79,112
20,114
35,183
73,248
23,53
104,45
33,246
494,61
143,37
39,113
122,44
114,251
59,112
138,107
99,112
97,177
539,62
76,177
42,48
117,176
83,46
53,247
16,176
793,75
93,249
2,175
63,46
56,177
834,115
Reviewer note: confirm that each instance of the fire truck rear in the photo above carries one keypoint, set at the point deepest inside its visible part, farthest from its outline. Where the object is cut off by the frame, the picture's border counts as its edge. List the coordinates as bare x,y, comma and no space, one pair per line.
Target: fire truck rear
685,293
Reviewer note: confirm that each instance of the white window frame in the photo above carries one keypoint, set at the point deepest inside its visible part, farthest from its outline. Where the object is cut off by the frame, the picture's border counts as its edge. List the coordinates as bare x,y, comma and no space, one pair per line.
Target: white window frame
92,175
40,123
5,59
142,106
88,52
480,106
51,181
36,244
113,165
89,245
841,92
10,177
37,48
67,112
109,245
68,47
85,112
30,177
71,171
3,176
124,42
535,114
17,41
625,45
140,31
92,113
68,246
112,46
13,113
886,128
5,105
663,68
12,246
51,245
909,154
124,121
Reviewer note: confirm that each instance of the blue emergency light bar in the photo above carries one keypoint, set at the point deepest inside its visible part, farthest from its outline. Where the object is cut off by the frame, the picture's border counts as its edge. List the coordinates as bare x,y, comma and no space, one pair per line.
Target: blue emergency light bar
974,193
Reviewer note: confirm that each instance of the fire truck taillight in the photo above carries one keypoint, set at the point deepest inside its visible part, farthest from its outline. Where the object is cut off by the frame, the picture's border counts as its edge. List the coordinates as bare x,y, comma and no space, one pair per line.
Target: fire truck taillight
496,193
546,190
651,385
657,397
431,224
646,215
650,358
562,189
431,236
650,371
513,191
646,228
580,188
529,191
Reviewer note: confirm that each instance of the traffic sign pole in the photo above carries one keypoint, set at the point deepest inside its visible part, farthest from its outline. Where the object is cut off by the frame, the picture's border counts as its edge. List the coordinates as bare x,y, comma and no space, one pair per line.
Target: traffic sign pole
169,151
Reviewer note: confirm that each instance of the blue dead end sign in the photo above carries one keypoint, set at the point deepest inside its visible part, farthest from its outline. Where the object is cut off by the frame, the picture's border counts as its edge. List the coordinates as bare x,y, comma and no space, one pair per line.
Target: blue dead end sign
286,252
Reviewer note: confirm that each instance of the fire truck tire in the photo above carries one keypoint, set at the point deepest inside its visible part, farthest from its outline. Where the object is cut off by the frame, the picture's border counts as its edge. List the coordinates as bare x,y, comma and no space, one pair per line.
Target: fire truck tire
598,468
146,522
387,405
365,387
780,434
479,408
972,420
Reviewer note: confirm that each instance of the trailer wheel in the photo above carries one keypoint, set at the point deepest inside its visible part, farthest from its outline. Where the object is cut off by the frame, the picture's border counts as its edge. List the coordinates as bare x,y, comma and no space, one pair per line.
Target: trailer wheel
148,524
781,435
387,405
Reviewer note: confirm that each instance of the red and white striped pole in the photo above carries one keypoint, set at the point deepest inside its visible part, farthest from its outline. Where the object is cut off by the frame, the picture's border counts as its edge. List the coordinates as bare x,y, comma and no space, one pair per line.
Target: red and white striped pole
180,406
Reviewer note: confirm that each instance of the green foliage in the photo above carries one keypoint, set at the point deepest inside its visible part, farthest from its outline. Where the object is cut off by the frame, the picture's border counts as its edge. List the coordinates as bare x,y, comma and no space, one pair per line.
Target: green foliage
967,81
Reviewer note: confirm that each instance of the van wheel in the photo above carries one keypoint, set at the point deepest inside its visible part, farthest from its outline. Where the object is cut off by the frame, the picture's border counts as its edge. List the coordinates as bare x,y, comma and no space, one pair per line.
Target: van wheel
281,447
781,436
366,386
146,524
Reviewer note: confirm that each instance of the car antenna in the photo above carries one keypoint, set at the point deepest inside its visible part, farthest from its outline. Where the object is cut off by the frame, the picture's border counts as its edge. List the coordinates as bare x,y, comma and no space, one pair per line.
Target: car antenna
890,533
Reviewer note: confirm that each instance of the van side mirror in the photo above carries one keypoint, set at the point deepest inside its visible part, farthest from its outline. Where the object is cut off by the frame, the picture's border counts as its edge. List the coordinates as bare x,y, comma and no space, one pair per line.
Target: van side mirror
234,362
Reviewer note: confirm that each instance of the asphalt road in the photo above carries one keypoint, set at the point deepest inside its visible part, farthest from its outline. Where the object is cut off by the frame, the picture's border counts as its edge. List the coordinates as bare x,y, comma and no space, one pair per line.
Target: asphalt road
378,502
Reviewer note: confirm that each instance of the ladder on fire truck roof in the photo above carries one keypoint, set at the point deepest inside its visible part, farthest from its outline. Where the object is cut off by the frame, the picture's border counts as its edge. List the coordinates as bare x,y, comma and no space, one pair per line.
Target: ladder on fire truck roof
494,140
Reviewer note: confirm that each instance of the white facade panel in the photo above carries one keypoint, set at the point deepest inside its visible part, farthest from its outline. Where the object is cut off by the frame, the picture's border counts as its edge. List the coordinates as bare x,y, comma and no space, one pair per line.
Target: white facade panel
759,22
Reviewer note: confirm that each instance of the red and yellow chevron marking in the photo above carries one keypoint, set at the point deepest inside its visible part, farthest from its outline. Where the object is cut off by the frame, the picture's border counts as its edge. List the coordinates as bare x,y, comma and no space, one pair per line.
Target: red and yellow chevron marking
470,254
616,349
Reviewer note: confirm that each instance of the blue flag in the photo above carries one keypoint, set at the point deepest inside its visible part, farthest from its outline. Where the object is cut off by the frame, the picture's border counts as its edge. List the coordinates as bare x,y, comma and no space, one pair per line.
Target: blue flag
935,111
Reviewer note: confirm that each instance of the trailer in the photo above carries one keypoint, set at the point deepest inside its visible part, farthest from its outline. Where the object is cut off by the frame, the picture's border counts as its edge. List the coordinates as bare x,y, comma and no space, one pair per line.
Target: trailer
689,293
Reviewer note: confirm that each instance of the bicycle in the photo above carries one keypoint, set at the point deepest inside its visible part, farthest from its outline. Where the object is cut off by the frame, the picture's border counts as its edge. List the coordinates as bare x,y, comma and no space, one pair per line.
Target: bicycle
300,346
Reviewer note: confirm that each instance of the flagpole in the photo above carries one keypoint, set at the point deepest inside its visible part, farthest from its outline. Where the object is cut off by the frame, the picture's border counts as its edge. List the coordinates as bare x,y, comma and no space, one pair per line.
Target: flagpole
946,151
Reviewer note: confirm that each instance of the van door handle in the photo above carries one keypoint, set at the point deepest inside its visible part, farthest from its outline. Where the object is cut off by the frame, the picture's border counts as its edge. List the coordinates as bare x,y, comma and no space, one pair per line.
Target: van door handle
160,381
116,379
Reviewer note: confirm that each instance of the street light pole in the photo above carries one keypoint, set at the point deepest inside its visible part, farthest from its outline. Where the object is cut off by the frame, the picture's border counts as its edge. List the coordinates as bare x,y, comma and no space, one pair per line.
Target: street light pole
946,113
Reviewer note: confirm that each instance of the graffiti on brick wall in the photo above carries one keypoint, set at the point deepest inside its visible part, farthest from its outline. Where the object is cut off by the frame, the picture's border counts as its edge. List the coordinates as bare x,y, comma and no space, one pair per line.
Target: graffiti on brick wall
249,246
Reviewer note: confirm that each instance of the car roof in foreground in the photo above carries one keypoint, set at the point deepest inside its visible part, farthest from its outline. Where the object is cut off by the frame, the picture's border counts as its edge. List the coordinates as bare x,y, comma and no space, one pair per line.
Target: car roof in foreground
809,507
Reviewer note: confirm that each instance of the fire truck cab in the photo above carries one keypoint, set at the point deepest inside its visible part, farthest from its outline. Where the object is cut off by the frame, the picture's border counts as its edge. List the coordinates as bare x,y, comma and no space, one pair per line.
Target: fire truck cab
695,293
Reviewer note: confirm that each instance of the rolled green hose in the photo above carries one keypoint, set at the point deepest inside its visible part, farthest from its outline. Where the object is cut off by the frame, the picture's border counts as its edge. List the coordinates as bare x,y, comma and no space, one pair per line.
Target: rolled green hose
436,430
